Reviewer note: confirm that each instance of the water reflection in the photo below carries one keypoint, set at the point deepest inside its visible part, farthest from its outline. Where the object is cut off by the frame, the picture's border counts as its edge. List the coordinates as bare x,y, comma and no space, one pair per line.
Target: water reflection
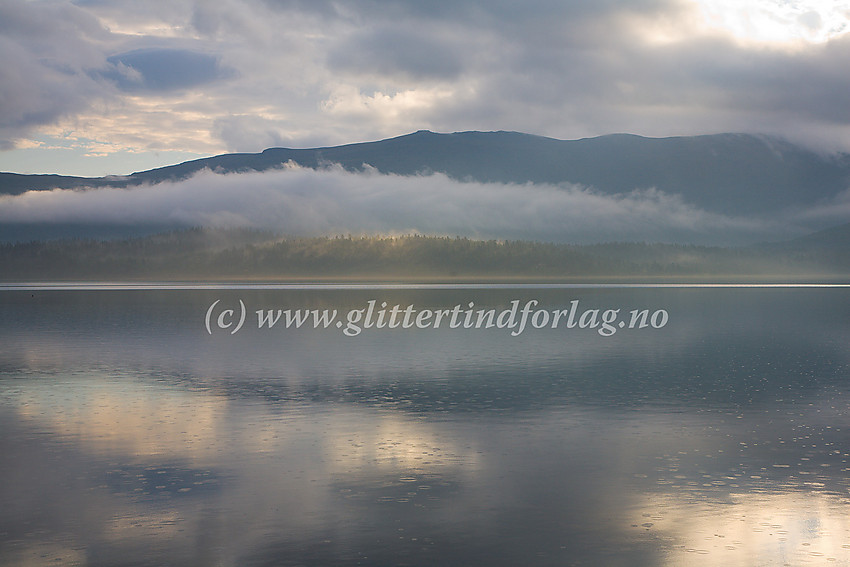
132,437
791,528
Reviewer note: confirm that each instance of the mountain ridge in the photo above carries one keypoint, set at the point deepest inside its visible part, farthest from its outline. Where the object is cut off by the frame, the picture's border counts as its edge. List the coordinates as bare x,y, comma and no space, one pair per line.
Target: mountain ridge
724,173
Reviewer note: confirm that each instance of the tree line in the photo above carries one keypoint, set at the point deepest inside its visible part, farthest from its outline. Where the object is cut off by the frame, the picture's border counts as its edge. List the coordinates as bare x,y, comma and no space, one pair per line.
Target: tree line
250,254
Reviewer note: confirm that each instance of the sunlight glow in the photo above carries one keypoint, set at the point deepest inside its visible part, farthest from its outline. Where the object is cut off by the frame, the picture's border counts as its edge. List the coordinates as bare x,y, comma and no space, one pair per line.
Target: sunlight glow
778,21
803,527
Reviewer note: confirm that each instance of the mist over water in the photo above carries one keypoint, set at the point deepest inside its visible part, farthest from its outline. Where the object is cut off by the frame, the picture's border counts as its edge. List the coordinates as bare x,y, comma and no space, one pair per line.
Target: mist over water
300,201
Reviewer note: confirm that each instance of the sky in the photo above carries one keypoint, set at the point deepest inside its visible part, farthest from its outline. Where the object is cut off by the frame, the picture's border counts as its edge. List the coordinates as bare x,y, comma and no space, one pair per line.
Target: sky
96,87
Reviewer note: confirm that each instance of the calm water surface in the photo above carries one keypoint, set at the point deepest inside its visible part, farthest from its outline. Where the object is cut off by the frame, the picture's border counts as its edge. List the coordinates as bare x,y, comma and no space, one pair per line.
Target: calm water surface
132,436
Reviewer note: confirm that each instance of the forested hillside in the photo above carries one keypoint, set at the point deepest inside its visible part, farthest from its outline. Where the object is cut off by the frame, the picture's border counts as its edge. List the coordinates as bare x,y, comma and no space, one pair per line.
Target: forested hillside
259,255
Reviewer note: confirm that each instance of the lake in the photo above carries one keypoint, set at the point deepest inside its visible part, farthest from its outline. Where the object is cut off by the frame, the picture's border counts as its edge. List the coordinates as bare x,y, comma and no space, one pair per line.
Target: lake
154,425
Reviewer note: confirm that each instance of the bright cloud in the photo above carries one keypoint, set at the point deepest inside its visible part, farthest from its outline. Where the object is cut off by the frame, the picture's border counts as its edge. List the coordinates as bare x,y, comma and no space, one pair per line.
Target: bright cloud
779,20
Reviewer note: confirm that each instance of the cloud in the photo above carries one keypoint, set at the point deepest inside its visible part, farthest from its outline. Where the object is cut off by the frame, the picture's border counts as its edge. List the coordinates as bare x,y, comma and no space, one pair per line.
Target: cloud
244,132
164,69
64,69
398,51
305,202
48,56
322,72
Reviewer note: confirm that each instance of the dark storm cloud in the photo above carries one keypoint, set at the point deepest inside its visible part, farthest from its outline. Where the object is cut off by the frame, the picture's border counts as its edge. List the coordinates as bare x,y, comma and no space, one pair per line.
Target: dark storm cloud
164,69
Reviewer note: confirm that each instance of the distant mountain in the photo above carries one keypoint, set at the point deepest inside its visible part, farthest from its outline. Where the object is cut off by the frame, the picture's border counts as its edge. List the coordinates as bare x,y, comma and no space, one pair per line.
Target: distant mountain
830,247
725,173
830,238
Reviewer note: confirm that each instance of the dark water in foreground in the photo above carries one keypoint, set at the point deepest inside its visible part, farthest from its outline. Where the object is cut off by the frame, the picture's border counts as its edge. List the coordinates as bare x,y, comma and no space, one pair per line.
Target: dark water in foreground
132,436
